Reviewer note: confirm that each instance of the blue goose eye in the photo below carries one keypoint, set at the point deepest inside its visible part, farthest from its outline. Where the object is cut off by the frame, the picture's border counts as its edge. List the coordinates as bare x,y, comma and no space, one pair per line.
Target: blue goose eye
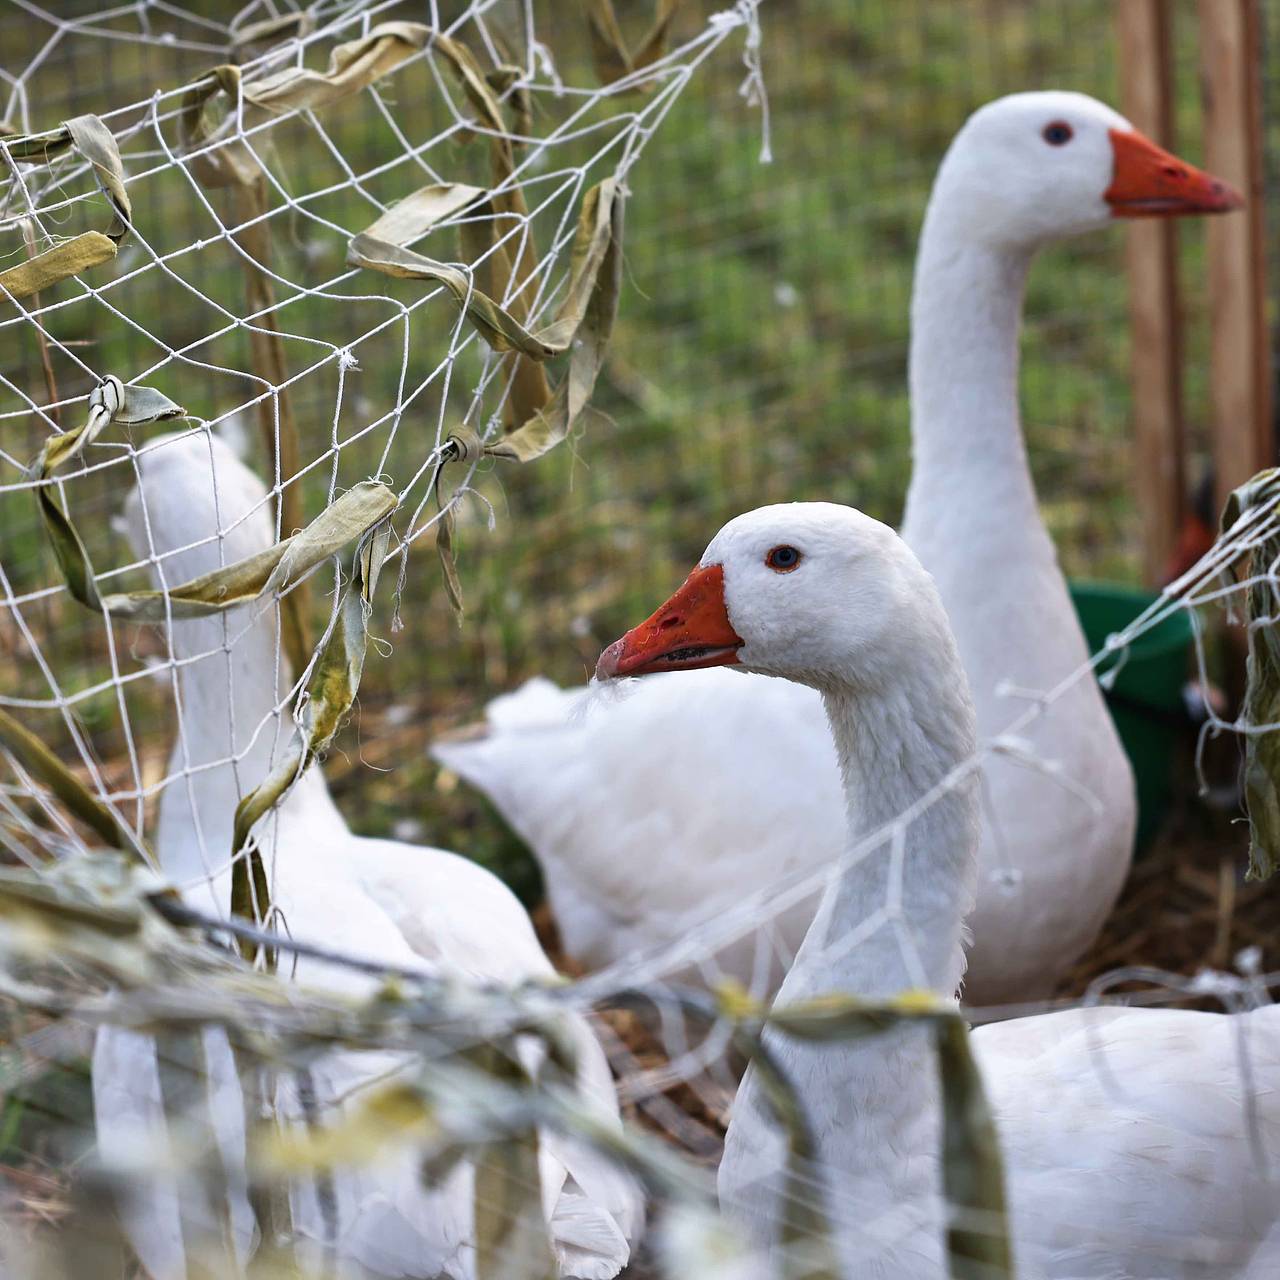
782,559
1058,133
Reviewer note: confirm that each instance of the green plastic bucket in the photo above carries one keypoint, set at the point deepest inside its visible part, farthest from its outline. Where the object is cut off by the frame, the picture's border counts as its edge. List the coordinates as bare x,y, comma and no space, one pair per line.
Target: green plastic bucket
1146,699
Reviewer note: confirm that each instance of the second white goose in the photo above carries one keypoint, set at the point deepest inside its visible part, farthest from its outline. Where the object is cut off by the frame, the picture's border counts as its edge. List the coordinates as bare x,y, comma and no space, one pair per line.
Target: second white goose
653,812
1136,1142
380,900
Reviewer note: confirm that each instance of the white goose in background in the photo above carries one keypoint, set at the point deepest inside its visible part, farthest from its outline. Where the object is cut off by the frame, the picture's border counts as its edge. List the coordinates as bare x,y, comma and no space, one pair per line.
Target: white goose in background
381,900
1127,1141
716,787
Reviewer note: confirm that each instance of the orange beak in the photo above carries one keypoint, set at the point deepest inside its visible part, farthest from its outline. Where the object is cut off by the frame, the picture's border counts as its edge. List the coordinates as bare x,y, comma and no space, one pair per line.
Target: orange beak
1149,182
692,630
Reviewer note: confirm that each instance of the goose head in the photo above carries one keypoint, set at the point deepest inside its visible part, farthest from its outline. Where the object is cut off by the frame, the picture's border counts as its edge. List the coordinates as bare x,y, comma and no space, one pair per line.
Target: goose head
813,592
1034,167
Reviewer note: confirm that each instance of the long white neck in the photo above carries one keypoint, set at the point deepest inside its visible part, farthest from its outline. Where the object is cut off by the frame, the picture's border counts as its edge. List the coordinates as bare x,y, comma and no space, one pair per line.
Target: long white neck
198,508
895,747
229,680
966,437
971,513
893,921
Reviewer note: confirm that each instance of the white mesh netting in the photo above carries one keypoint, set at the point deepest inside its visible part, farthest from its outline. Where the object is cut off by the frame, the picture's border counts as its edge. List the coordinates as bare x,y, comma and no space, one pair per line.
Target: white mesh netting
392,1084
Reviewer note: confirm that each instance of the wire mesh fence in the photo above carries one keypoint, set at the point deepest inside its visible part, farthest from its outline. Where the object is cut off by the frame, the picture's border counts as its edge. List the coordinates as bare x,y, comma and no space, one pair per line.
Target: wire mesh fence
755,358
271,279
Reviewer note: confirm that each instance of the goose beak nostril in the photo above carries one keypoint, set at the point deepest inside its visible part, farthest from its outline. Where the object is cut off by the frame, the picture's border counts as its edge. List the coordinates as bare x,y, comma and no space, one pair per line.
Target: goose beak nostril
691,630
1148,182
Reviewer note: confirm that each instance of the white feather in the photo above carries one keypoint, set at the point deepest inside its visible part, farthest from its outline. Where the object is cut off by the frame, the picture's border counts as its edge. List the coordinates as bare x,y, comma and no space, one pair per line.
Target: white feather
380,900
720,785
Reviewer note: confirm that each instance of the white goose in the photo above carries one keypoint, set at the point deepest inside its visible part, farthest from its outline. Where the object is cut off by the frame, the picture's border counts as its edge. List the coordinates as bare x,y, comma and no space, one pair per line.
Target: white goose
719,786
1125,1132
382,900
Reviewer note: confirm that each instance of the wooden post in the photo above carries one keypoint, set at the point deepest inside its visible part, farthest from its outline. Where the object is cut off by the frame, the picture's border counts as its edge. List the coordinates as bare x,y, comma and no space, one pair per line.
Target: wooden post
1230,50
1151,260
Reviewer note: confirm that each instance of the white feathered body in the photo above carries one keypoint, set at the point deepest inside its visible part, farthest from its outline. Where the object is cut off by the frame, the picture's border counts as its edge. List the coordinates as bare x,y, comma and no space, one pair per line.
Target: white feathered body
1138,1143
717,783
380,900
1128,1138
708,815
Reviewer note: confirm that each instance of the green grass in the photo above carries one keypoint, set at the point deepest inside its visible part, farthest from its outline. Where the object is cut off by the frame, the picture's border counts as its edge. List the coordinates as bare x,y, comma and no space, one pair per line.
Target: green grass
759,355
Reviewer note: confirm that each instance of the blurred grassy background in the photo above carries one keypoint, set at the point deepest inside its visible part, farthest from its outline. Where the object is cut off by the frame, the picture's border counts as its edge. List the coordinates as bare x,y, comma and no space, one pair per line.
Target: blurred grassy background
759,355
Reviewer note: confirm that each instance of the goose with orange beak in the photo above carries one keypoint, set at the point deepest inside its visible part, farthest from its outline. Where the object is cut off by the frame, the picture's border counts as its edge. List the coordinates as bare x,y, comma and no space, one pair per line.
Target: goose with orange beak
1130,1139
719,782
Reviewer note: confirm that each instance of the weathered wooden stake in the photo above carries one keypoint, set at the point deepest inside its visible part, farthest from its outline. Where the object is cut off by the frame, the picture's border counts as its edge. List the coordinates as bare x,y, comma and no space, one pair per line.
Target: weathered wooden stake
1230,52
1152,265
